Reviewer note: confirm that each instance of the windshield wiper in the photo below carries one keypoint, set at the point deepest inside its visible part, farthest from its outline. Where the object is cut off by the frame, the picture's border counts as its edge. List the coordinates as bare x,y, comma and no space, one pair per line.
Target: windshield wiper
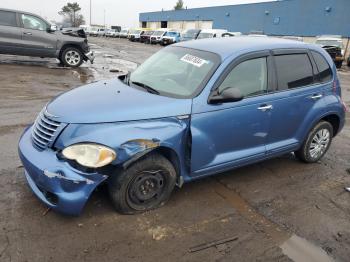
147,87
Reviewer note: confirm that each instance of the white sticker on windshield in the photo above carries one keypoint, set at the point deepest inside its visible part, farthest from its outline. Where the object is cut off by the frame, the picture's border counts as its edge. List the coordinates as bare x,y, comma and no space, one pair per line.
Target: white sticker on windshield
194,60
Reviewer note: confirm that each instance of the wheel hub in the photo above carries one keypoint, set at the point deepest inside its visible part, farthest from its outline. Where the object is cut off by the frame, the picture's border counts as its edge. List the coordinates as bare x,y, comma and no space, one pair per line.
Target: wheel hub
72,57
147,187
319,143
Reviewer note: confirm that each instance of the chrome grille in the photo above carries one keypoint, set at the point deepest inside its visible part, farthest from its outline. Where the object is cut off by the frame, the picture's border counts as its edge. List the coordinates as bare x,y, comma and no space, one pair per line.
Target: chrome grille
44,130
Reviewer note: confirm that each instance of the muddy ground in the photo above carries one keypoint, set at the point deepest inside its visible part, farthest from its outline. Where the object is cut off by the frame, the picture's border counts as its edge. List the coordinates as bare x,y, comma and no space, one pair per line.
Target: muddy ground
272,211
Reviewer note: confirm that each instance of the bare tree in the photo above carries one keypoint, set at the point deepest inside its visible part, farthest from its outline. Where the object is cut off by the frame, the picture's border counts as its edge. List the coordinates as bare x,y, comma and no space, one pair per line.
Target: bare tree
70,12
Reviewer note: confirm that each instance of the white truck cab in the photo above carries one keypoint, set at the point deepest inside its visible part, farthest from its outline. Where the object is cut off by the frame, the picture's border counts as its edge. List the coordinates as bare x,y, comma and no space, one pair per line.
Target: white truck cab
211,33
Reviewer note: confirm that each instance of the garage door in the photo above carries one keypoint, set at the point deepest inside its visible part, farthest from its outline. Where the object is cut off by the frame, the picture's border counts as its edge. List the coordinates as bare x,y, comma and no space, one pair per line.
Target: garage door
153,25
206,24
175,25
190,25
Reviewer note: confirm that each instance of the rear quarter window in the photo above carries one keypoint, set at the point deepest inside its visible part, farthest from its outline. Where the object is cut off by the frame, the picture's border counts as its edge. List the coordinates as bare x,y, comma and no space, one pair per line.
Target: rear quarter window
293,71
325,72
8,18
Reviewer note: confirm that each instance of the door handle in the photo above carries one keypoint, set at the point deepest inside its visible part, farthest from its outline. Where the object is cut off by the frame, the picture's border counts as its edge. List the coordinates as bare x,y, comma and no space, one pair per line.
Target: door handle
265,108
315,97
27,33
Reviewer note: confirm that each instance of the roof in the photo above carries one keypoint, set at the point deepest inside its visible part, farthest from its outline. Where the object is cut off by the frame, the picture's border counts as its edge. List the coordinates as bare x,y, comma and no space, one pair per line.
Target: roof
227,46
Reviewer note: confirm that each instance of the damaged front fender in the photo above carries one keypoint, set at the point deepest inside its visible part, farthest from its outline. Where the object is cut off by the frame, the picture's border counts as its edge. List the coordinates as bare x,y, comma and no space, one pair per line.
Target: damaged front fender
132,140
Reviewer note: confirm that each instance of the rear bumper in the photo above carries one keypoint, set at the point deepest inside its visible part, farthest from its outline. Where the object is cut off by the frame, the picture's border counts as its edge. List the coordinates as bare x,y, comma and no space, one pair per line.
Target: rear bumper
53,181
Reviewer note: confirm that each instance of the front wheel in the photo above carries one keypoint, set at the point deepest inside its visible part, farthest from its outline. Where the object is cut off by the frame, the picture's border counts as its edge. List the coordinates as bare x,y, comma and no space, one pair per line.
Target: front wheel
71,57
317,143
145,185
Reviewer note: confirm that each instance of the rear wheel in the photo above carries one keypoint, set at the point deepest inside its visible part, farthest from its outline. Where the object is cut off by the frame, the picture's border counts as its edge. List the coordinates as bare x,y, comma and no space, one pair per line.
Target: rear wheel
317,143
145,185
71,57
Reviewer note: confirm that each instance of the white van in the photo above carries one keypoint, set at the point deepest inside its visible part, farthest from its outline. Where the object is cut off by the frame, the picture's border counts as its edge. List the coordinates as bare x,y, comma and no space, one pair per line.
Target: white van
211,33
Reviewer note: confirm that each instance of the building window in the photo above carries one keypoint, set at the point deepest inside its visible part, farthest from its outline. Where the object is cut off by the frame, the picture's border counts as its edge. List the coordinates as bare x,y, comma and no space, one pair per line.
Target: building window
144,24
164,24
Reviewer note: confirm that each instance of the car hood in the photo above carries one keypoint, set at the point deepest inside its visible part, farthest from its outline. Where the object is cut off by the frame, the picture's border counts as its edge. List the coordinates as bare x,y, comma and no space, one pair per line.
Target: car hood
113,101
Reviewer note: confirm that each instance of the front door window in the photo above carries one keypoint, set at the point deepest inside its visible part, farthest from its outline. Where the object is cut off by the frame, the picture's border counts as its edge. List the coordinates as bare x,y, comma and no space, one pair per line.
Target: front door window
250,77
32,22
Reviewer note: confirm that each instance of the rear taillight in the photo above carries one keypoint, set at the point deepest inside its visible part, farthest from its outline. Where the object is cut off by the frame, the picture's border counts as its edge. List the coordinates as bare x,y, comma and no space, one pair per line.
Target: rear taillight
334,87
346,109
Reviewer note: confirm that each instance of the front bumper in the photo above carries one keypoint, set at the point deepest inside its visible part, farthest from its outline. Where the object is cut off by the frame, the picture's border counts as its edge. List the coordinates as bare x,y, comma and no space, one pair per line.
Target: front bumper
90,56
58,185
167,41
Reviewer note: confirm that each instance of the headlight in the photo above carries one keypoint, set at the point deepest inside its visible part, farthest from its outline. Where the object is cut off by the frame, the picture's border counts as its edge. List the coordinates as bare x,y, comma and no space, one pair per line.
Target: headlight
90,155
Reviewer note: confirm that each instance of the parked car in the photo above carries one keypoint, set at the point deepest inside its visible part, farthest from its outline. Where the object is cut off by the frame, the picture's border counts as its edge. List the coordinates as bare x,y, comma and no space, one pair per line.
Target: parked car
192,110
135,35
157,35
334,46
190,34
211,33
93,31
23,33
146,36
112,33
170,37
294,38
124,33
231,34
101,32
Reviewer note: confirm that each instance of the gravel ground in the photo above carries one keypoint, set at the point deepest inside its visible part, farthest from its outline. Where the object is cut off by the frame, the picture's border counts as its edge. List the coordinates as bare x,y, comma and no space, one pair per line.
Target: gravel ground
267,209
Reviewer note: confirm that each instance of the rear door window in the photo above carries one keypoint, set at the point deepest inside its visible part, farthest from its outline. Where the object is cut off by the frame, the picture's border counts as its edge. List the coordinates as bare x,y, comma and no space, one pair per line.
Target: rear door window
293,71
8,18
325,72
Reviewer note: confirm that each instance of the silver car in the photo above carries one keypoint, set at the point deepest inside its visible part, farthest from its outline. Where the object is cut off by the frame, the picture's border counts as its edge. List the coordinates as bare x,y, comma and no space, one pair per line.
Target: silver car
27,34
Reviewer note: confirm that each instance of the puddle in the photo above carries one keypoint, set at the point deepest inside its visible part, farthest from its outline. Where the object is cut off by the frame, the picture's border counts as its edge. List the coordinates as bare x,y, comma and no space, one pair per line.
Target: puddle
299,249
296,248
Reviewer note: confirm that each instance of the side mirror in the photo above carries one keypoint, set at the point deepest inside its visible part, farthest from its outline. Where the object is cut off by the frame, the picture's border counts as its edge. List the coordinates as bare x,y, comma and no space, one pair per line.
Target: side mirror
52,28
230,94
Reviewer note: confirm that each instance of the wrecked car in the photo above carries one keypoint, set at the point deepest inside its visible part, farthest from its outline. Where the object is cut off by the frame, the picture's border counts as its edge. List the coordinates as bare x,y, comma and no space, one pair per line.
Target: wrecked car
334,46
27,34
192,110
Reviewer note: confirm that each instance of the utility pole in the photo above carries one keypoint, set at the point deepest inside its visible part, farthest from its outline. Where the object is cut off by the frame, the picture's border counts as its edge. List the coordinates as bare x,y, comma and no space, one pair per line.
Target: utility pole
90,14
104,18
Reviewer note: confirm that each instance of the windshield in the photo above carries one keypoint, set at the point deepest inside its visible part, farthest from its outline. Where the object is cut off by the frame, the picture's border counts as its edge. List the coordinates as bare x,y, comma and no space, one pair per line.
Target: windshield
171,34
158,33
205,35
148,33
135,32
330,43
190,34
176,72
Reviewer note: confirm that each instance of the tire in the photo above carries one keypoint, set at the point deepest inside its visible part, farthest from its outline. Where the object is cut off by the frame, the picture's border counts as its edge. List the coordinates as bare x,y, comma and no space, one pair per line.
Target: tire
145,185
312,151
72,57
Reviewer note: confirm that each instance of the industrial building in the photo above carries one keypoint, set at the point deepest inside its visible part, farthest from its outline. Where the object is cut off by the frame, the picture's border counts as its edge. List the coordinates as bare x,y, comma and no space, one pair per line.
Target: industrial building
306,18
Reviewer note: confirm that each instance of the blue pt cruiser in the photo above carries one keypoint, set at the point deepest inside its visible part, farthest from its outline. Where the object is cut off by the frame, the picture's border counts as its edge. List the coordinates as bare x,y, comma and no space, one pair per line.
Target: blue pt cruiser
192,110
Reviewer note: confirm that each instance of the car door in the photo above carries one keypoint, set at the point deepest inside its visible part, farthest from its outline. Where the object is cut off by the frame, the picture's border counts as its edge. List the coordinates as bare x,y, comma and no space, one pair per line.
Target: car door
10,33
36,39
233,134
298,92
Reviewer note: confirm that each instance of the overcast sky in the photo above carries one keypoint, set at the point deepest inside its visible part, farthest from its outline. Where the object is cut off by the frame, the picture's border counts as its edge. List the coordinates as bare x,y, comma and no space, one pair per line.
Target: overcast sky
118,12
